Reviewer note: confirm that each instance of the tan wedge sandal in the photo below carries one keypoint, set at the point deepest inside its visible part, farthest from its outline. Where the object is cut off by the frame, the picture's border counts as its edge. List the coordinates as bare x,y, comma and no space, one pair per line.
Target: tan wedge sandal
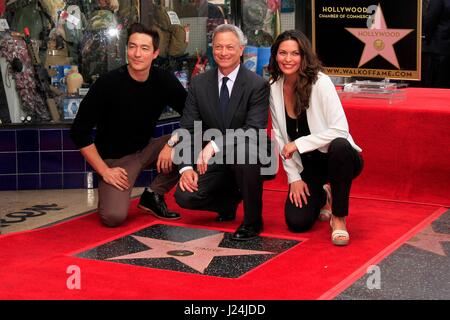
339,237
325,212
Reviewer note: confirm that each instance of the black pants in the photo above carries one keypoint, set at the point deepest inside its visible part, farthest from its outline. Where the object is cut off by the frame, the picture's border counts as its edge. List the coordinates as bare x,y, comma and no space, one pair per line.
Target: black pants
339,166
222,187
435,70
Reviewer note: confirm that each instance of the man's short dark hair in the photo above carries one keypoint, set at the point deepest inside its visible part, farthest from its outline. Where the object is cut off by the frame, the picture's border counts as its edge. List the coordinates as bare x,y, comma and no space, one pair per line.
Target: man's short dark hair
140,28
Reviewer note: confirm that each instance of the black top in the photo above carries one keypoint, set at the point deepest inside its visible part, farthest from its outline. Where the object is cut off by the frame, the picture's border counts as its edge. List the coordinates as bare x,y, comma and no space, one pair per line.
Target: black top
125,111
297,128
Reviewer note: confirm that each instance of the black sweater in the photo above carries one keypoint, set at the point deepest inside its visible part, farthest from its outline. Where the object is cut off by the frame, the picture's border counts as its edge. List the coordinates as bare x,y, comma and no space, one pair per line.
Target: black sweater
125,111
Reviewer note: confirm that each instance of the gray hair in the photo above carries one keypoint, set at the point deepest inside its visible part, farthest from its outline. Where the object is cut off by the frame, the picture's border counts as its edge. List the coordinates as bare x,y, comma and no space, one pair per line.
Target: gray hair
230,28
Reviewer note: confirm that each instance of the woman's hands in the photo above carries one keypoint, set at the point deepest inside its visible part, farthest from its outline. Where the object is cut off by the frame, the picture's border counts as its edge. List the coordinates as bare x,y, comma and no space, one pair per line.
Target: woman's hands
288,150
298,192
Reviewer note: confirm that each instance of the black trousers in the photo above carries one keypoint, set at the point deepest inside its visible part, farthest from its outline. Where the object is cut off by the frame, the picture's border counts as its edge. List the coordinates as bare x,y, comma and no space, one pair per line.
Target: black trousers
435,70
339,167
221,189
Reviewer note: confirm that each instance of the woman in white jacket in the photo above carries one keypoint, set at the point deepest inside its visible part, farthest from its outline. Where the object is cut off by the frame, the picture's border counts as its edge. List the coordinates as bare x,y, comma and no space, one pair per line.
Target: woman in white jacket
312,135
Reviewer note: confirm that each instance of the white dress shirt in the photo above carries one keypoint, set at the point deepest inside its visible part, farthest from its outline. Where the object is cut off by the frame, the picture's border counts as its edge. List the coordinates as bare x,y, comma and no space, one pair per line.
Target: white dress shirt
230,83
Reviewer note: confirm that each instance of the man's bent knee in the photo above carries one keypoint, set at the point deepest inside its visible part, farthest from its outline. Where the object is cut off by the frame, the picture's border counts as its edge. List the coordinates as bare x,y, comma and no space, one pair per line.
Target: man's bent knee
112,220
187,200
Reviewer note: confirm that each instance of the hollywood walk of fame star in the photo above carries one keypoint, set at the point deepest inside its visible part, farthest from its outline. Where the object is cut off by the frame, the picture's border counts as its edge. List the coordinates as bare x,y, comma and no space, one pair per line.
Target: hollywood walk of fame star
430,241
197,253
379,40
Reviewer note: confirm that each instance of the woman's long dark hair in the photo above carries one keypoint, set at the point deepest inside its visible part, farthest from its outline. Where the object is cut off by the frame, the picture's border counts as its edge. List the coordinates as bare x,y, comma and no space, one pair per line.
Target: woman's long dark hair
310,66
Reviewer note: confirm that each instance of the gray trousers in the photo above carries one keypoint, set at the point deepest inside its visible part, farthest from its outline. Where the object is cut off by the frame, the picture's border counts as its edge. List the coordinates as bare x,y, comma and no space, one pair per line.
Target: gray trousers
113,204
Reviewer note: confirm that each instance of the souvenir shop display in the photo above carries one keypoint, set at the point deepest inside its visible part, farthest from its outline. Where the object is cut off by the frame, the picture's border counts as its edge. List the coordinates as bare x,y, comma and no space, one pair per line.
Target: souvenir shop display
71,43
14,50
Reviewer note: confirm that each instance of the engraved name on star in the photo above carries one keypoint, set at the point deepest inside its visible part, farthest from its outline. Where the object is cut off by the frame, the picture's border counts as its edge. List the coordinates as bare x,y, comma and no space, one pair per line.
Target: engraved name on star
197,253
379,40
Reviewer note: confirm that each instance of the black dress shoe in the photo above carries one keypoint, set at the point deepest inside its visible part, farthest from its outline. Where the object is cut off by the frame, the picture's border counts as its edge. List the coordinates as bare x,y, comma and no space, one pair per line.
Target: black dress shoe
155,204
229,214
247,232
226,217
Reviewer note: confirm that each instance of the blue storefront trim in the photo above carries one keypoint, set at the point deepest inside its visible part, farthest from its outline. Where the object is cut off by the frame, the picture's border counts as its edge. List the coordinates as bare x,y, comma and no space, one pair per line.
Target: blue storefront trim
46,158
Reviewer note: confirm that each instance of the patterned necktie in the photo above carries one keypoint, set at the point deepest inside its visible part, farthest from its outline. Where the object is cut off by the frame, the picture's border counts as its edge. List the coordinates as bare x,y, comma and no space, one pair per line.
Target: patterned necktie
224,97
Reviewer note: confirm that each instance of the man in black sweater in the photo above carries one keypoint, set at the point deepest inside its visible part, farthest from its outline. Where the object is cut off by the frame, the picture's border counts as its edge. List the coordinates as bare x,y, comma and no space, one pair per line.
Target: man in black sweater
125,105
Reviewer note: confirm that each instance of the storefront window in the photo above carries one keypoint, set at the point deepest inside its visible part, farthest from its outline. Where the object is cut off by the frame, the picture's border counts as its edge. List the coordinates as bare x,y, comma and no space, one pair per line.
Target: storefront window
76,41
55,49
82,39
262,22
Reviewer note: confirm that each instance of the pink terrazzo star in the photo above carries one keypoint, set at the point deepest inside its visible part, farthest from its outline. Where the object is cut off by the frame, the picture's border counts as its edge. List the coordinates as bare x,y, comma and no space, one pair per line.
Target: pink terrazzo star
379,40
199,252
430,241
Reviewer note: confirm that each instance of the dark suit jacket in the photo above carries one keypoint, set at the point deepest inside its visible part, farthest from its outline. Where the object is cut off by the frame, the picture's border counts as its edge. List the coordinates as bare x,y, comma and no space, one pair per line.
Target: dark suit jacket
247,109
436,27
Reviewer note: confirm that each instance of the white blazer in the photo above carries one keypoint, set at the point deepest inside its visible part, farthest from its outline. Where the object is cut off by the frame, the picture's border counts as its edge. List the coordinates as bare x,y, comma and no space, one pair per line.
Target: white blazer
326,121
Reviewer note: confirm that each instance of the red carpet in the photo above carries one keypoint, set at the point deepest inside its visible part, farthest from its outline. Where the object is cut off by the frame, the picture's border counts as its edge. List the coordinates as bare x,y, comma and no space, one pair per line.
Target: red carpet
405,146
34,263
404,185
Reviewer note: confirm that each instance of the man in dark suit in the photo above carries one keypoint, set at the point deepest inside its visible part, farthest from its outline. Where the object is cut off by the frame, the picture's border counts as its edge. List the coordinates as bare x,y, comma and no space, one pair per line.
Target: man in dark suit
436,44
229,97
